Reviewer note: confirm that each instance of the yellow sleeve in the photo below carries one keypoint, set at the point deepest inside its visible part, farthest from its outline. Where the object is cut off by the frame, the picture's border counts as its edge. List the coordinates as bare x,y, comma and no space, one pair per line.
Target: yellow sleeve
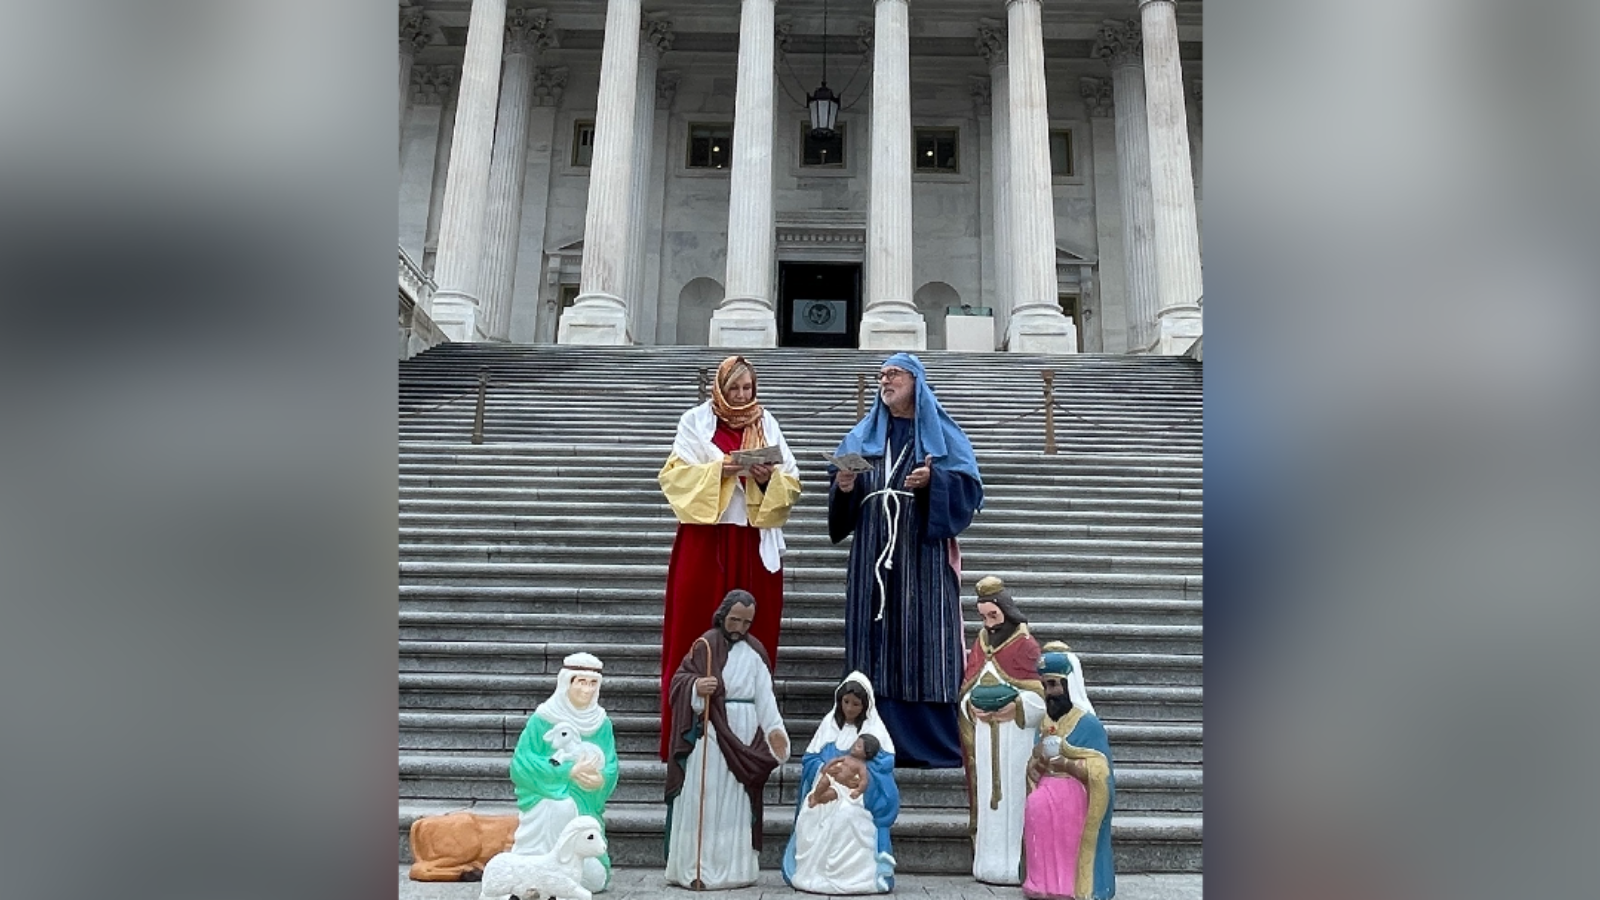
769,507
698,494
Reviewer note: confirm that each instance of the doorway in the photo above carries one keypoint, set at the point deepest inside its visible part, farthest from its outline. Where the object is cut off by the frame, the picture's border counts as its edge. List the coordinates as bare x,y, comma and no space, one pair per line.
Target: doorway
819,304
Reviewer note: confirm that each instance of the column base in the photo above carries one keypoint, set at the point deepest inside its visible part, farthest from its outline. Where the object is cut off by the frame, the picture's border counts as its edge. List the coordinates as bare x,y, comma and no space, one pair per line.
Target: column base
745,324
892,329
1178,327
595,320
1042,330
456,314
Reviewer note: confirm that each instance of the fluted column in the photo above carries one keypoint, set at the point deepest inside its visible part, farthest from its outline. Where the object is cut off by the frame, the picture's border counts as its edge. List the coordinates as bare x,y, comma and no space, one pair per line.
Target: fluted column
891,320
440,82
655,39
992,46
414,35
1177,231
1112,320
745,317
1037,323
600,315
1120,44
533,308
527,34
466,192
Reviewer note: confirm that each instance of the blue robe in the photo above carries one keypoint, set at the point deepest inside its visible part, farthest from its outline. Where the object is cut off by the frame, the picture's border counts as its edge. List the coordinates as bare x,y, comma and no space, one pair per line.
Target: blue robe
914,654
882,799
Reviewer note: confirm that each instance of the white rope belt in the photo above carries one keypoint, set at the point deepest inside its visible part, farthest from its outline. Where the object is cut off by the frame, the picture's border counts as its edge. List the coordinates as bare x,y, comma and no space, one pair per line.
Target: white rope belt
891,511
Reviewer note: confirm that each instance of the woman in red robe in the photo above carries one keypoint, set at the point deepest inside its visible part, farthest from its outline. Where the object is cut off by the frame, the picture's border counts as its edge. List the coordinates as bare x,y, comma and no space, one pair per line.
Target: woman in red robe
730,518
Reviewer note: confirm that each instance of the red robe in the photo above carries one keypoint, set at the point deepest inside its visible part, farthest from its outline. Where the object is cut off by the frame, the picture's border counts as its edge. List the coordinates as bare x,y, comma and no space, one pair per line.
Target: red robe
707,562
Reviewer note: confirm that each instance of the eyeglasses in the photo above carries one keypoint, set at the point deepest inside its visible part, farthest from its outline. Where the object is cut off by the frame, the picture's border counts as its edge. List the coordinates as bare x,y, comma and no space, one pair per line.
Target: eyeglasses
889,374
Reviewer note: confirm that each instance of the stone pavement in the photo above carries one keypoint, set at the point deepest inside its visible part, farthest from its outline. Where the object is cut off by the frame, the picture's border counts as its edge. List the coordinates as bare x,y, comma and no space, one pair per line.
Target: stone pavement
647,884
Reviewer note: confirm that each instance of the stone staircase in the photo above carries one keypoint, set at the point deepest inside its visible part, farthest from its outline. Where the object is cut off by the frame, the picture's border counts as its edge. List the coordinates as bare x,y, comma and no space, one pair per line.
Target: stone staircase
551,536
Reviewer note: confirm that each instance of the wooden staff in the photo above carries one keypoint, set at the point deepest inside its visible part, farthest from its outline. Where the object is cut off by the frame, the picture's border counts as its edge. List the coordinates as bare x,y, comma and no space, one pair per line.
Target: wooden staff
705,753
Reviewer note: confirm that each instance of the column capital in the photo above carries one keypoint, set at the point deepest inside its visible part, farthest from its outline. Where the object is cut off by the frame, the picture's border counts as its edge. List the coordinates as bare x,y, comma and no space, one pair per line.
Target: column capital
666,89
992,42
549,82
982,97
1119,43
782,34
432,85
656,35
864,34
1096,94
1144,3
416,29
528,30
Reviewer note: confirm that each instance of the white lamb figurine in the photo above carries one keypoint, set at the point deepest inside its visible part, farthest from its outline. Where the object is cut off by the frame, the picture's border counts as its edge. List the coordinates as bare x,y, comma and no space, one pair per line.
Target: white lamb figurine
547,876
570,745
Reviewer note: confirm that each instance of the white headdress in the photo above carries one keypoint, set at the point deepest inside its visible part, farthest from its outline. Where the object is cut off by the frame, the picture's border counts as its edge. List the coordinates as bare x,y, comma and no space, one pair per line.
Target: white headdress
831,732
560,709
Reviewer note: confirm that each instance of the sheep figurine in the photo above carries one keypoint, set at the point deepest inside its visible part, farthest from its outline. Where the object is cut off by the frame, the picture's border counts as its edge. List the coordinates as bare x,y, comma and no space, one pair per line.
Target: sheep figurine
571,745
547,876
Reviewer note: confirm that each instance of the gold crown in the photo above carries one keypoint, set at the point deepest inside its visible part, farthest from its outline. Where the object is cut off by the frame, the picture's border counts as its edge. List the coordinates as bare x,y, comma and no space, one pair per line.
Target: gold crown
990,585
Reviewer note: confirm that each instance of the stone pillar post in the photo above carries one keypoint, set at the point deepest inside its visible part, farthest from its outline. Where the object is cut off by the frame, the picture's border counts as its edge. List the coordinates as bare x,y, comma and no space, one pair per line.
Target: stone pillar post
1177,230
891,320
419,140
745,317
1037,323
600,315
1108,216
527,33
655,39
444,85
992,47
414,35
534,293
1120,45
466,192
666,91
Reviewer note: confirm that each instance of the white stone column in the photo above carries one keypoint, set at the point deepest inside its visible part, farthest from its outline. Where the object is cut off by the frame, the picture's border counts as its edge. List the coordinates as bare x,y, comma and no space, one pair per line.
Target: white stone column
1037,323
443,85
745,317
992,47
600,315
1177,230
466,192
527,34
891,320
415,33
1120,45
658,331
1197,149
1108,216
655,39
532,287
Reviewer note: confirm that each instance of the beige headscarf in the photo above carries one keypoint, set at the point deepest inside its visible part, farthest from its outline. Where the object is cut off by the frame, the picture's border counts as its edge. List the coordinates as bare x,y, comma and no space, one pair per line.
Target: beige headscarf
747,417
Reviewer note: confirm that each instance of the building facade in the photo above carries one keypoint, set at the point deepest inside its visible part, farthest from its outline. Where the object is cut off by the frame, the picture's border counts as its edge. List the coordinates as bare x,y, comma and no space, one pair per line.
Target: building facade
1001,175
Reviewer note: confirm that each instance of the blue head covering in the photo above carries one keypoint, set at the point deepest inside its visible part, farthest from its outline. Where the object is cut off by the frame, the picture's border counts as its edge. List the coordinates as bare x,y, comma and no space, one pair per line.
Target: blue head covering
938,435
1055,662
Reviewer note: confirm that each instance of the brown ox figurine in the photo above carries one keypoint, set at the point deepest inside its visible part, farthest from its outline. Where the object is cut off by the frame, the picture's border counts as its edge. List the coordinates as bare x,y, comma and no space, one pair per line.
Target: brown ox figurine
452,845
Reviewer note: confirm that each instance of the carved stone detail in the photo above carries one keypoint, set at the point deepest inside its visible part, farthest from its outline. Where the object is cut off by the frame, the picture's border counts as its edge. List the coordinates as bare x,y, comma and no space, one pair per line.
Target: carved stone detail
992,42
416,29
864,37
432,85
1096,94
782,34
666,89
548,84
1194,88
528,30
657,34
982,95
1119,43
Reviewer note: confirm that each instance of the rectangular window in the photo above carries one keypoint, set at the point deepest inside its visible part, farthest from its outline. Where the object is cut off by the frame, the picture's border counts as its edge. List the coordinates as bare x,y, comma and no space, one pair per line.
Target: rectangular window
936,150
582,142
1061,153
710,146
569,295
822,153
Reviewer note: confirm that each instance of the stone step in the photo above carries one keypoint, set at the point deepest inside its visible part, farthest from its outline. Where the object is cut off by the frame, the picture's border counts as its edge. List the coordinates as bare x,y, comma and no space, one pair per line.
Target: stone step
1081,526
644,498
637,735
578,458
797,698
814,483
796,660
560,630
925,841
455,776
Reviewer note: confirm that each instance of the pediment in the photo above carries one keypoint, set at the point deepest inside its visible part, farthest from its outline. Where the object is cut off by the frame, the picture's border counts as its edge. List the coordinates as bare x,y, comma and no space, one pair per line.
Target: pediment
1068,256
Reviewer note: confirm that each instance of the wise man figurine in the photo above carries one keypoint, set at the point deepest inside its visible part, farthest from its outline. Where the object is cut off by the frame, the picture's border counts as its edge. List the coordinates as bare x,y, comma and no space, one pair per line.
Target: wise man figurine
565,765
1002,702
727,738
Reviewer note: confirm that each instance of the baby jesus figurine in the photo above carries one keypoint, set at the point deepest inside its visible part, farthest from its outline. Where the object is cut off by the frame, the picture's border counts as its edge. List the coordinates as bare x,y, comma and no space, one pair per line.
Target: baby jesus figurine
846,771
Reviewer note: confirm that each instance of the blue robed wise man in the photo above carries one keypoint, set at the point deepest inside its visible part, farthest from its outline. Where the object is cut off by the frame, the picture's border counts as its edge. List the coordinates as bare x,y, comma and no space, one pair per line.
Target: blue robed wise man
918,490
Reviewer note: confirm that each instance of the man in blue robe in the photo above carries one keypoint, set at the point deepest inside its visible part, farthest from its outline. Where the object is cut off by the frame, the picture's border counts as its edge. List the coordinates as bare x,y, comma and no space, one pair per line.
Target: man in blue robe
903,594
